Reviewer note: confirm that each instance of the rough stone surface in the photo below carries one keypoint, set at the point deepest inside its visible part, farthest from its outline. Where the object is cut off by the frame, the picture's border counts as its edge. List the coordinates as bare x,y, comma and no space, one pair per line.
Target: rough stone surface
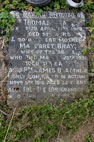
45,57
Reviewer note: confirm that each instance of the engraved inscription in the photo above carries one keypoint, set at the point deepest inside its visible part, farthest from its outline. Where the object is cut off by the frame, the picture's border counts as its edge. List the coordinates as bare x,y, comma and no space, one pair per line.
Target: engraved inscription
45,57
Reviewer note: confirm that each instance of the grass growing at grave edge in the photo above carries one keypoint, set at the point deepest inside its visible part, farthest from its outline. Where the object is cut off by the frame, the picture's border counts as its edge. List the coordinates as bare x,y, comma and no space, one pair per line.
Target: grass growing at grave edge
42,123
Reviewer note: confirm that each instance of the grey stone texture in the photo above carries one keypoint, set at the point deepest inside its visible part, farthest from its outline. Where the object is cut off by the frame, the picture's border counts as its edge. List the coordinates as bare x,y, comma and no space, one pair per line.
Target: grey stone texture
45,57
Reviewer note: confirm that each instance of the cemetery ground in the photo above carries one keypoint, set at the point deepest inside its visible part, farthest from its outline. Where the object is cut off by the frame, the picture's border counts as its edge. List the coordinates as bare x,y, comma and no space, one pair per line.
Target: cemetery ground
49,122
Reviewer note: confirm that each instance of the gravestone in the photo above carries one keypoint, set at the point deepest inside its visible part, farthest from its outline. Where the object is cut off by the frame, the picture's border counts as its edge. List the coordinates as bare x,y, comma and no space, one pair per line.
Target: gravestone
45,57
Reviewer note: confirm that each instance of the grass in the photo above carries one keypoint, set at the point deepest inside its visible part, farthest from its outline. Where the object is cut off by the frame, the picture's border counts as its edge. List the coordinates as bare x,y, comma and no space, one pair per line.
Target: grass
88,138
42,123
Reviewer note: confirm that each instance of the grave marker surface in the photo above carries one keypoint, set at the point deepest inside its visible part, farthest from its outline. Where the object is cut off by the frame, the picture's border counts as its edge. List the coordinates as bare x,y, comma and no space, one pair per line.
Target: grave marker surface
45,57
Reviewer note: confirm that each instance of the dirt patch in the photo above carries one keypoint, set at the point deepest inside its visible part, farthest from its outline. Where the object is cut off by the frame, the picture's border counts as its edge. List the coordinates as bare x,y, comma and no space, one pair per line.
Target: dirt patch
80,134
3,69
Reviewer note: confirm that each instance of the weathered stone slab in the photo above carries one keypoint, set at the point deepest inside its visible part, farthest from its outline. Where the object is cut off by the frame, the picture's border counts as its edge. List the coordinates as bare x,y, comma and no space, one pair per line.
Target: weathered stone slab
45,57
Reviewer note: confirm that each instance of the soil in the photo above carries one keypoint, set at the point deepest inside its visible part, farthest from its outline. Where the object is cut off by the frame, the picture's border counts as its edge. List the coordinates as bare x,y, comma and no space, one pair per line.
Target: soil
3,69
80,134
